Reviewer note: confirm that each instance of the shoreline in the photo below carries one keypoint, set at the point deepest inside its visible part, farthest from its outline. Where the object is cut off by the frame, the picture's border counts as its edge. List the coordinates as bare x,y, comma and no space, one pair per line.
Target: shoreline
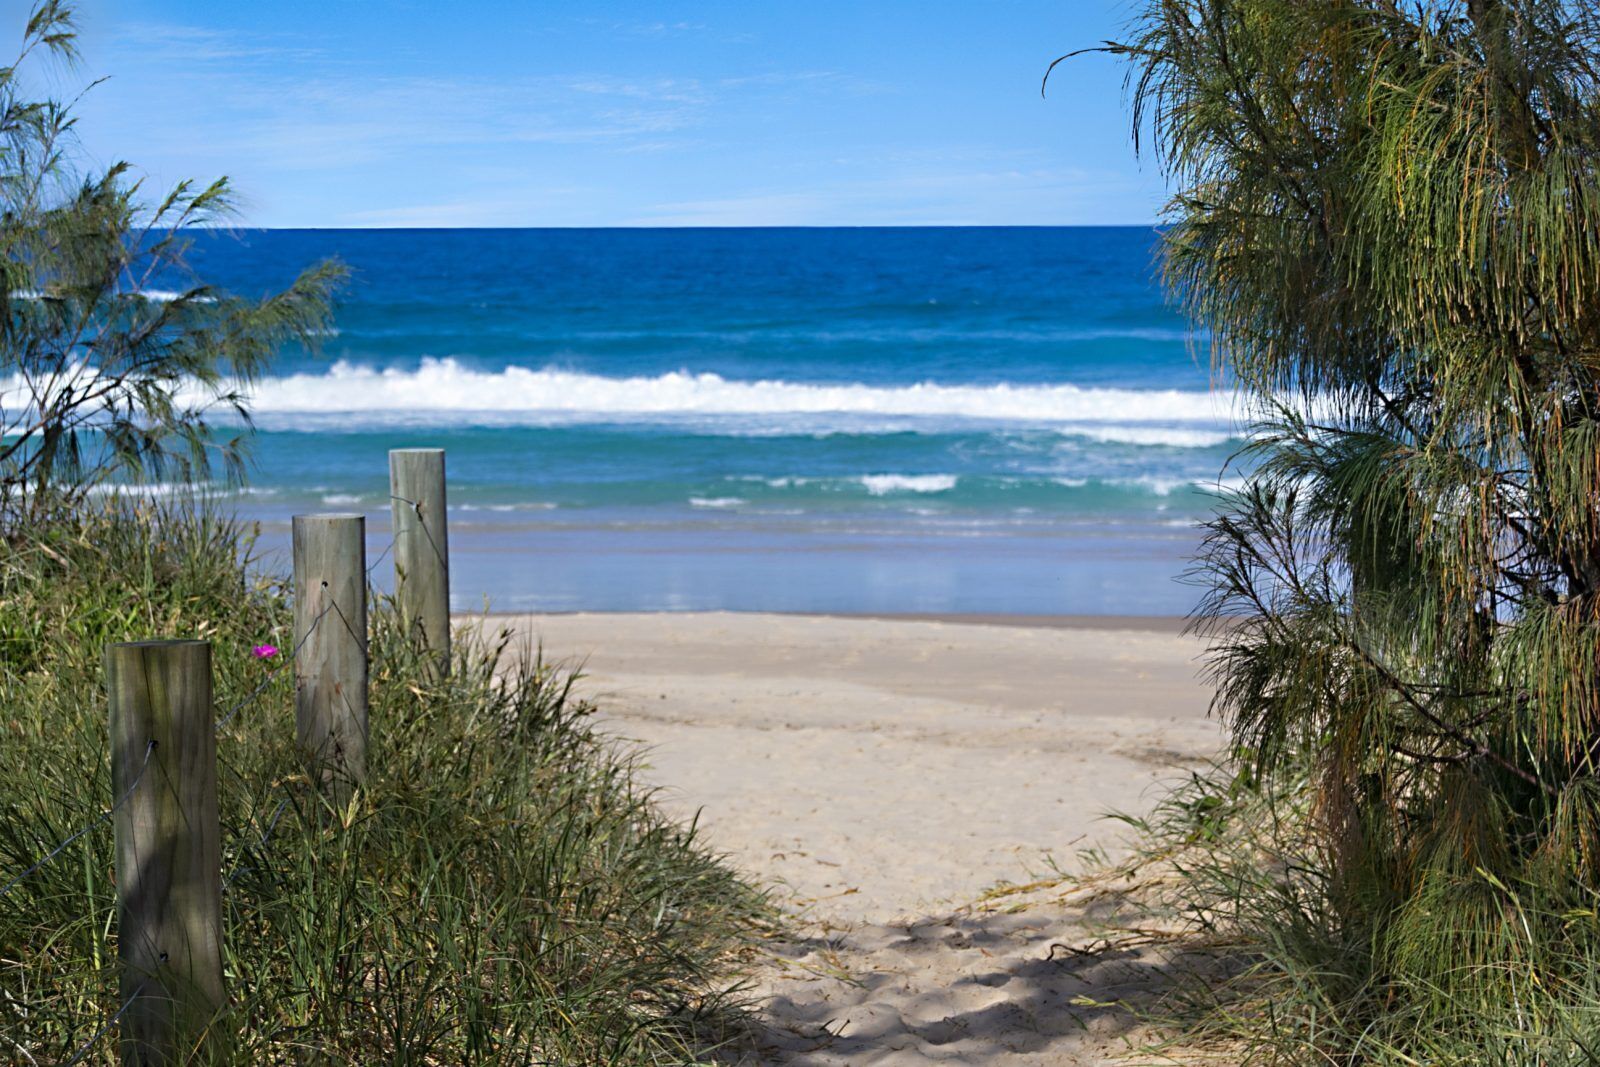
1156,624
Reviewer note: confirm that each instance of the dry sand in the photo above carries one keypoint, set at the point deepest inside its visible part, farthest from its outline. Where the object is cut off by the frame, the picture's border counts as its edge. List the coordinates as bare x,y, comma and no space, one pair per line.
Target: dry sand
884,773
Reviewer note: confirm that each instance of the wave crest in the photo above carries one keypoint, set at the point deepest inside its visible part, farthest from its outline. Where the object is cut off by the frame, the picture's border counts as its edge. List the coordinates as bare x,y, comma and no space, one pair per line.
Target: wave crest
446,390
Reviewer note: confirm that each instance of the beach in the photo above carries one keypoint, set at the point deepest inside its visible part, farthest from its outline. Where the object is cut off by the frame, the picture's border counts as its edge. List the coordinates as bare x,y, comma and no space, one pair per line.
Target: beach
883,774
869,543
676,534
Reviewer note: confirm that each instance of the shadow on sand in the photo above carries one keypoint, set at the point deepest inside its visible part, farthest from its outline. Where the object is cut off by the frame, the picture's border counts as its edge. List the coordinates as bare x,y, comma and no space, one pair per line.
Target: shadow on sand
1035,986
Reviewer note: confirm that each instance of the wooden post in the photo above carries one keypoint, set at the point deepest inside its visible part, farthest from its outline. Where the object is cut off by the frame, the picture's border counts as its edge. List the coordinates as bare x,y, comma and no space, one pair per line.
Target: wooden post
168,859
421,547
330,636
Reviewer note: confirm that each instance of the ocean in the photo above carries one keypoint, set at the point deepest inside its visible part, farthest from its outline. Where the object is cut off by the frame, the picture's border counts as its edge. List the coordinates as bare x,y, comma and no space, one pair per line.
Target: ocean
834,420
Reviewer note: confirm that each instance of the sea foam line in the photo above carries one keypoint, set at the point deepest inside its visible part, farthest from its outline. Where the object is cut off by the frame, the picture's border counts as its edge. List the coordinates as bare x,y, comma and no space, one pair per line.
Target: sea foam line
446,386
884,484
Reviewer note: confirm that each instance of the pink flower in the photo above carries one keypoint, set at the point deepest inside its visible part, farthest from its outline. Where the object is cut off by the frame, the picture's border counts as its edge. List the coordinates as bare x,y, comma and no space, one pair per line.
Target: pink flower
264,651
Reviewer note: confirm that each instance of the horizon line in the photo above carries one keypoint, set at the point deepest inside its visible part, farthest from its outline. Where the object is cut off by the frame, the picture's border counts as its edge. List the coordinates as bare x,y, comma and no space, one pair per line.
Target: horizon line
224,227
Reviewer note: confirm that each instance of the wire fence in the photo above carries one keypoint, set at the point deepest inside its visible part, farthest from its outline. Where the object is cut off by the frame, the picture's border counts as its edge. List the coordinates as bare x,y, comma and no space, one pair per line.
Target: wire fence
227,717
105,816
264,838
240,868
331,605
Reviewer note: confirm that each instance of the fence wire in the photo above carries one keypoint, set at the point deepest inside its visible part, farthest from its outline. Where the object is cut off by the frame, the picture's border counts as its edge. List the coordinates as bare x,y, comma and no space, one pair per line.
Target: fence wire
88,1046
331,605
388,548
239,706
261,842
288,661
417,508
104,816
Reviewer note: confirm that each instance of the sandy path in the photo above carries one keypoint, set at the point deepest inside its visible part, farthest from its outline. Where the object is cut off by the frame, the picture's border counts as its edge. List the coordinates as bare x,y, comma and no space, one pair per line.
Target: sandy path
885,772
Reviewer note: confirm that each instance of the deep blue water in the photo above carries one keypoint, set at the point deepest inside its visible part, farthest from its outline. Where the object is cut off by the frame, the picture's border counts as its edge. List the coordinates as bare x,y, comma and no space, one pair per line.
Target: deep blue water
962,419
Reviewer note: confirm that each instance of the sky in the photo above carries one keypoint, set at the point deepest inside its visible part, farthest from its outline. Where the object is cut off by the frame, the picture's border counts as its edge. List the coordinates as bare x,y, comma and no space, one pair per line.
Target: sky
345,113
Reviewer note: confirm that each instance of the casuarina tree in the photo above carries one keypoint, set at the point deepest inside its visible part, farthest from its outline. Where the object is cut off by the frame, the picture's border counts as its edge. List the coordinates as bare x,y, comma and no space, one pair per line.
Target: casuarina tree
114,354
1386,217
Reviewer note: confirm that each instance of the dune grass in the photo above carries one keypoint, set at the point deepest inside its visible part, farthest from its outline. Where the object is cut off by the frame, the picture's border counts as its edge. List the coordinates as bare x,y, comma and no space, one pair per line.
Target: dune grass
502,892
1297,976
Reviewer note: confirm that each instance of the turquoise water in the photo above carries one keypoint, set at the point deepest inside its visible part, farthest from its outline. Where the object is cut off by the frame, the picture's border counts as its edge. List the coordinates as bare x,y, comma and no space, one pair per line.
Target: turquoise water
958,419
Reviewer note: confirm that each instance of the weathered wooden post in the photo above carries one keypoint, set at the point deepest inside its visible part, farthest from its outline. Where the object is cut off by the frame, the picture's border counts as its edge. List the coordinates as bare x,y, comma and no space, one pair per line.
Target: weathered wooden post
421,546
168,859
330,635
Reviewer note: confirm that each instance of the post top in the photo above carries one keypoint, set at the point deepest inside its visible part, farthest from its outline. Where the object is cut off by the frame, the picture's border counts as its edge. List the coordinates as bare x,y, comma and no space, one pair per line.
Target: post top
331,516
413,451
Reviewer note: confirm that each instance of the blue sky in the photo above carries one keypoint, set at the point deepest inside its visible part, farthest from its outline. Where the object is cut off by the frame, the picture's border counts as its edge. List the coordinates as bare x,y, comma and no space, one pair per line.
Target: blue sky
506,113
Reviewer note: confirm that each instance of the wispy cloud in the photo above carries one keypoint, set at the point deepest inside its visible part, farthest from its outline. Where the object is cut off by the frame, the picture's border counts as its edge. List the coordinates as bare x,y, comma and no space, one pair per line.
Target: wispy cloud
302,105
937,197
467,212
199,44
809,80
660,29
341,120
669,28
579,121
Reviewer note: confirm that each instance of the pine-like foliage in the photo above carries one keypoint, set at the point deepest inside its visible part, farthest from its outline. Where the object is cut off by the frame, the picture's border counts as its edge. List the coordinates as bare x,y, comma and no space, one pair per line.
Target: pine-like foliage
112,352
1388,218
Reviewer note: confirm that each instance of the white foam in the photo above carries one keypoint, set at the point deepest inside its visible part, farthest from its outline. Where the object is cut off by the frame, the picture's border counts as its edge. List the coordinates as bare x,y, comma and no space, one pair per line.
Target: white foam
884,484
155,296
1167,486
151,490
440,387
715,502
167,296
1153,436
443,392
1232,484
1154,484
341,499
